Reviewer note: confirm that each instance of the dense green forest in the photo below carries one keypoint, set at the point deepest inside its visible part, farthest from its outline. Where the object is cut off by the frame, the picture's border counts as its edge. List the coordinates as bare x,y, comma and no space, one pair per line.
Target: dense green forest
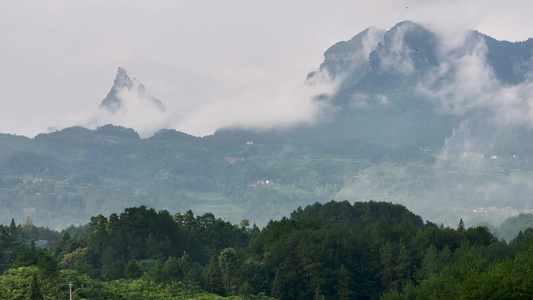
336,250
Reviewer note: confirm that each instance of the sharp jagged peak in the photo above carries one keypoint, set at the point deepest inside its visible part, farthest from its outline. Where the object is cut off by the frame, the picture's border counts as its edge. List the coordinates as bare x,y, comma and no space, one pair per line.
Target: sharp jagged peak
114,101
122,78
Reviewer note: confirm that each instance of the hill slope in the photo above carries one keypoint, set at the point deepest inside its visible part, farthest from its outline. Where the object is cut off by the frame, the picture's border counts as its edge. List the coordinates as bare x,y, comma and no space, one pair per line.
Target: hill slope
437,126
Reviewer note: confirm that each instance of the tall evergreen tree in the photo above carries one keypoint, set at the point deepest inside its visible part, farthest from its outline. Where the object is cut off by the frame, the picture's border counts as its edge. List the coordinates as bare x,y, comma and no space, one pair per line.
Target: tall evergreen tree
343,284
430,264
403,265
112,266
277,286
35,290
386,257
230,266
461,225
47,265
13,230
213,277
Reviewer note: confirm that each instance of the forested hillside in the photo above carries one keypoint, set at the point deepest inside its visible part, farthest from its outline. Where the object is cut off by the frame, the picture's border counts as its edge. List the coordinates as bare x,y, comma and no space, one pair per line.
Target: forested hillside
402,123
336,250
65,177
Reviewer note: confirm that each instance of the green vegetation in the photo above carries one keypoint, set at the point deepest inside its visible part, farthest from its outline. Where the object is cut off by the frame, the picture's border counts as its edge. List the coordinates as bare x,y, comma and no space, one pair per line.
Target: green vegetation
387,134
336,250
65,177
382,141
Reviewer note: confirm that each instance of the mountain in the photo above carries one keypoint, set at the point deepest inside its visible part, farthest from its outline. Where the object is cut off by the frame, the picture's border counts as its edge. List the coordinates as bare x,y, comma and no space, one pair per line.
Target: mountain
412,87
439,124
129,104
115,99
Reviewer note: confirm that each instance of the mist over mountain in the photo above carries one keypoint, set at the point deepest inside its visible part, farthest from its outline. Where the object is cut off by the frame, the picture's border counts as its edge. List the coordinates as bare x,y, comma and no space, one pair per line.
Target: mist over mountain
129,104
416,88
412,86
114,100
441,124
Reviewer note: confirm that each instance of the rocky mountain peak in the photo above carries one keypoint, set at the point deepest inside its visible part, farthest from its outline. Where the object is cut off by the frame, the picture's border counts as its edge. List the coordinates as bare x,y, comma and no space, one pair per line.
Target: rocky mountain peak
123,83
122,79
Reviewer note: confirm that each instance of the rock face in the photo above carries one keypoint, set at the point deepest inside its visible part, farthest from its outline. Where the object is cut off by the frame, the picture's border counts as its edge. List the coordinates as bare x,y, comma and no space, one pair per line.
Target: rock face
410,48
413,87
123,83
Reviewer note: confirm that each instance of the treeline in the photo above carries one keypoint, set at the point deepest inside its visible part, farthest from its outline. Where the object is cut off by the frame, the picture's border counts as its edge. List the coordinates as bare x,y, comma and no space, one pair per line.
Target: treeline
336,250
140,253
330,250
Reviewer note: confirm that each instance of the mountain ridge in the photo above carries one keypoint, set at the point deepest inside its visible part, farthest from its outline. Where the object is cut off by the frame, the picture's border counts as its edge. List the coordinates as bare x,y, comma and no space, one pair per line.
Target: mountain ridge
409,124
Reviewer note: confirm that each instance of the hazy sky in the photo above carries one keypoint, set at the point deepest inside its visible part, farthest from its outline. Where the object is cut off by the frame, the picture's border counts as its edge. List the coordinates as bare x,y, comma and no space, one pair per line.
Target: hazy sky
212,63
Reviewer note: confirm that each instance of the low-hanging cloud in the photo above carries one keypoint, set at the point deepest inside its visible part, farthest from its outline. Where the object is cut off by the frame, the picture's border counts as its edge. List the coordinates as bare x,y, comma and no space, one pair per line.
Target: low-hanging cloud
265,109
135,109
397,57
463,79
464,85
462,82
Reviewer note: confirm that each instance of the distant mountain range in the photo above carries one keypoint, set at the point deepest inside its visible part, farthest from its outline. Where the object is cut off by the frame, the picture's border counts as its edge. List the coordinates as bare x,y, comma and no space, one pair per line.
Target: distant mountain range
439,124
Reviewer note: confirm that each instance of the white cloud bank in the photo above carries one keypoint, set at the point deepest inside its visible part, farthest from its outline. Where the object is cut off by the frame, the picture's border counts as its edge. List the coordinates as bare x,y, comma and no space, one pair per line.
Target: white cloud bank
137,111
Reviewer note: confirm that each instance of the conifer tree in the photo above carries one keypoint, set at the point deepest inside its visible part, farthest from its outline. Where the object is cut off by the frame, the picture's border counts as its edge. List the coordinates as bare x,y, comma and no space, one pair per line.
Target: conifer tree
343,284
213,277
277,286
461,225
13,230
35,290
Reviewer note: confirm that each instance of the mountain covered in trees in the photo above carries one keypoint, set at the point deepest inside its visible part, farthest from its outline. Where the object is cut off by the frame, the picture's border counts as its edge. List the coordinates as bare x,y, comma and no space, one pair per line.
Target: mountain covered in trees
335,250
438,124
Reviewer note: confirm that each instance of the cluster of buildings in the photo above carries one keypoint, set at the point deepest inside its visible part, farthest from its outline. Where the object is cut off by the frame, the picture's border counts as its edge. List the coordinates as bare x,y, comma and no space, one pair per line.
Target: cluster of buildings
509,211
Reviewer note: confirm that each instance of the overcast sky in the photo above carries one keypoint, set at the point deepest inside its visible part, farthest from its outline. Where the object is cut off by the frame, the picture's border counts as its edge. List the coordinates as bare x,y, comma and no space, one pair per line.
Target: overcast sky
212,63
